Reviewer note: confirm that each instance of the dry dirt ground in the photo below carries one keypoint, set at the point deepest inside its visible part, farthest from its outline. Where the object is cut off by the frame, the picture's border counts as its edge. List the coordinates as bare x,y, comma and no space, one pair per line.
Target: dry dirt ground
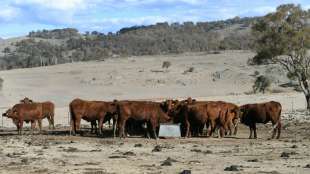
224,76
59,152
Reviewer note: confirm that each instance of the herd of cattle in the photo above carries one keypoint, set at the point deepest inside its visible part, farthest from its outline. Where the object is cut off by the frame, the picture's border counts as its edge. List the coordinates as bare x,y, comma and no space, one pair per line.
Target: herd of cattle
129,116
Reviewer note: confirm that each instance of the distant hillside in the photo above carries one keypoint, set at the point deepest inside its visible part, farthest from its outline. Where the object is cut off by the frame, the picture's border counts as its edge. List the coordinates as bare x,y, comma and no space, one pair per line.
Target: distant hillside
48,47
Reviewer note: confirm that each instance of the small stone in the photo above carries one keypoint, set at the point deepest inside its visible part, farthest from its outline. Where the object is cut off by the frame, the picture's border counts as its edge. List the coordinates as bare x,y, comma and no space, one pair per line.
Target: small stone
186,172
157,148
232,168
285,155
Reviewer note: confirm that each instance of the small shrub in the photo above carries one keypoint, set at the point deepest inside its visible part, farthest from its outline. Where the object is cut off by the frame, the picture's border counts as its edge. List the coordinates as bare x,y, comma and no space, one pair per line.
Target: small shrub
256,73
166,64
261,84
189,70
1,83
261,58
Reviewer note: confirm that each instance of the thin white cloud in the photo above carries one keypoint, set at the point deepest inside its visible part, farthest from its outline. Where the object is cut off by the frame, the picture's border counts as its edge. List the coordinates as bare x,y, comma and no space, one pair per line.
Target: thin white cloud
8,13
55,4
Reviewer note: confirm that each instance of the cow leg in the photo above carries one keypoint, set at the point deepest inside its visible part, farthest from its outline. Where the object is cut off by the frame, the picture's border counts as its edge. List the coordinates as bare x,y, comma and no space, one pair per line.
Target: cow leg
276,128
40,126
77,126
21,122
251,131
114,127
52,121
109,122
212,124
187,129
154,126
100,126
33,125
92,127
254,129
121,128
146,126
222,132
73,130
279,129
236,122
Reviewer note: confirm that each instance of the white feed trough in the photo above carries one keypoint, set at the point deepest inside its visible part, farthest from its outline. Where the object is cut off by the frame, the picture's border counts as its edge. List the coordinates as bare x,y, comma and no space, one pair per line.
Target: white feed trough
170,130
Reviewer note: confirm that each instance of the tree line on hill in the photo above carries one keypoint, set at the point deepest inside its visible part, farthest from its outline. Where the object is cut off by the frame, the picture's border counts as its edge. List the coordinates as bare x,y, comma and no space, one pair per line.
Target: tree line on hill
50,47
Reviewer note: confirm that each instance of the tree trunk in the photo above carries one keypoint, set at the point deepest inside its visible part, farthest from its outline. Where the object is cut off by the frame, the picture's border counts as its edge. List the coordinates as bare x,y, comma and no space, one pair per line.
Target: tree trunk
308,101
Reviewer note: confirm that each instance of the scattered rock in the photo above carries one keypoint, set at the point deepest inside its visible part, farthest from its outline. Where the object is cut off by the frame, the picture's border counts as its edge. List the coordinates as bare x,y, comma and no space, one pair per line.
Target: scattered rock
96,150
196,150
207,152
285,155
157,148
71,149
253,160
138,145
168,162
294,146
25,161
116,156
307,166
232,168
129,153
186,172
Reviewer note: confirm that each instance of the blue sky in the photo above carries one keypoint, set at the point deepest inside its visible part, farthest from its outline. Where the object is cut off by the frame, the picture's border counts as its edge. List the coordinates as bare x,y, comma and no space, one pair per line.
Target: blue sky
18,17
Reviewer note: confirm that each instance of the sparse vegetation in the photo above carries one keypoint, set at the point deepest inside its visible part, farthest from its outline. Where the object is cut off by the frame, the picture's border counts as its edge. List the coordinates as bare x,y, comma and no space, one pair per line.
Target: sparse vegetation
261,84
1,83
166,64
285,36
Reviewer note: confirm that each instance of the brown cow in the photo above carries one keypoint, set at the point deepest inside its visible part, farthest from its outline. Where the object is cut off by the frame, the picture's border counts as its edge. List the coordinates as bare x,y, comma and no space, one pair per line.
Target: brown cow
262,113
152,113
48,110
230,117
195,114
25,112
90,111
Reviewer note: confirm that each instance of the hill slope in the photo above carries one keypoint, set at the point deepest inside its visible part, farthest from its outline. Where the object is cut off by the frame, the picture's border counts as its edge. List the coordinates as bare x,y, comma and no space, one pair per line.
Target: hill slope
58,46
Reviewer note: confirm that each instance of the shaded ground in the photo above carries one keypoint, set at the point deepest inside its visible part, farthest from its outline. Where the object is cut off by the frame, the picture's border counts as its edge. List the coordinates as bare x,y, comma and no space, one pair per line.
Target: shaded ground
60,153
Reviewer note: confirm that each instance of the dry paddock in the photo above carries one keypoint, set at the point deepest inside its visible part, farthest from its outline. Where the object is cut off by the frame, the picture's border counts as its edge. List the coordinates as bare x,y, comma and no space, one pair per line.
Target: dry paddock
58,152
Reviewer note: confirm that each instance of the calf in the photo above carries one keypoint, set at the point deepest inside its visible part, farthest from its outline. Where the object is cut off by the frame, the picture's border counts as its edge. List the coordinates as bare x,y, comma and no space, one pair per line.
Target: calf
262,113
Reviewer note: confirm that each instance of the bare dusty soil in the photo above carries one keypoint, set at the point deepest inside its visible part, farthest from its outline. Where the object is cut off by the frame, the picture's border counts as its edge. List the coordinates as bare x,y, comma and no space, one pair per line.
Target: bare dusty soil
58,152
224,76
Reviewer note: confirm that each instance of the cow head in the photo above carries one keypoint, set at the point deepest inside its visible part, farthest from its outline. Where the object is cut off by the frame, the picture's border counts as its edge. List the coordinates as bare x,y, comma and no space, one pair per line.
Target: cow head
10,113
242,113
26,100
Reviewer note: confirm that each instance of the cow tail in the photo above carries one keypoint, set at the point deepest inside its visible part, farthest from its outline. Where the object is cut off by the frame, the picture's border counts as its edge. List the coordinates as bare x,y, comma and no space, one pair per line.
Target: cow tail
279,118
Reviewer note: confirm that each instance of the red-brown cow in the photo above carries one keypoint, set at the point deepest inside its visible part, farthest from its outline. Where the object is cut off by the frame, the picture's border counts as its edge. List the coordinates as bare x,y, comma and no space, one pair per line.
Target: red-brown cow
90,111
230,117
149,112
25,112
262,113
48,110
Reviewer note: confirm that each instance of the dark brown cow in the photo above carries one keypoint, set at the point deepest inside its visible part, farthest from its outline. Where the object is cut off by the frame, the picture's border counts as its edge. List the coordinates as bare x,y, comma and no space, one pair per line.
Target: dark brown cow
90,111
152,113
262,113
25,112
48,110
